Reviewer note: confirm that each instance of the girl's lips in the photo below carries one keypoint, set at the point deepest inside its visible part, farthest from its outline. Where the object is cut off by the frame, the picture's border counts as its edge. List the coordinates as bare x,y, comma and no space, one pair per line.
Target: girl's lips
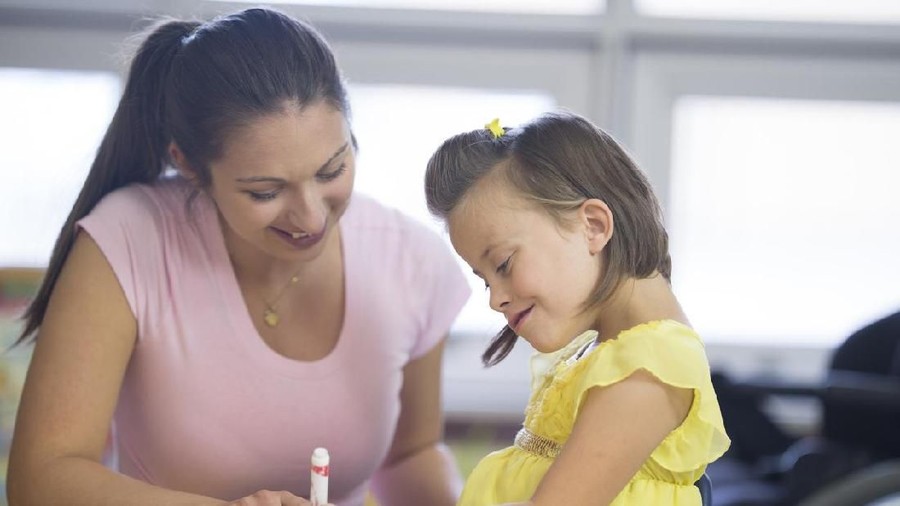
301,242
519,318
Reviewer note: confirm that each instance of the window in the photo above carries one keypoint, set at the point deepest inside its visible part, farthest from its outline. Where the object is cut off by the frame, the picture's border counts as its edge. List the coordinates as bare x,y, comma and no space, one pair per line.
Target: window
857,11
392,160
52,124
658,83
783,216
521,6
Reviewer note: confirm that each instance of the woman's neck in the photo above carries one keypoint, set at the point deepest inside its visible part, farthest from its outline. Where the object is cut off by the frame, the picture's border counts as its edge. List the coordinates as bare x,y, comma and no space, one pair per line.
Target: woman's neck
257,268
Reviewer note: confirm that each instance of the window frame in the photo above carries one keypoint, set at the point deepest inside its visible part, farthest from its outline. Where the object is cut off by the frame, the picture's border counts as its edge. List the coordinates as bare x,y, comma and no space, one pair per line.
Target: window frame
619,68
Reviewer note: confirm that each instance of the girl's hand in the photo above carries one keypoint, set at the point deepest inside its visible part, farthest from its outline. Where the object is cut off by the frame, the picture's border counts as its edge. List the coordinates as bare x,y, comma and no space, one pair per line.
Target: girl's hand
270,498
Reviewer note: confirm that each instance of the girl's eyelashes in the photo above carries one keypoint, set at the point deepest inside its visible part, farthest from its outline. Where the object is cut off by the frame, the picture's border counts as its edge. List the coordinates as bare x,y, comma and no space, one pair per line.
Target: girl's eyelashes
504,267
501,269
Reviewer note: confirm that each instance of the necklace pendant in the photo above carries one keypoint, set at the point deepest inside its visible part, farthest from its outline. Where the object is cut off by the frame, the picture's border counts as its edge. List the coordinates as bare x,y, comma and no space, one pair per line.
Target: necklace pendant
270,317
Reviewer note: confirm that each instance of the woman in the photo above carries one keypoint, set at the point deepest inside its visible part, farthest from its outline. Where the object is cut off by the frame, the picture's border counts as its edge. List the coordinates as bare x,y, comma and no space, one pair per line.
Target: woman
208,328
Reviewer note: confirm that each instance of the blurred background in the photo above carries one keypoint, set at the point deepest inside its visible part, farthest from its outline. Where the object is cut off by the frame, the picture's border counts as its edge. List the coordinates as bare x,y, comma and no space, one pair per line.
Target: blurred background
769,130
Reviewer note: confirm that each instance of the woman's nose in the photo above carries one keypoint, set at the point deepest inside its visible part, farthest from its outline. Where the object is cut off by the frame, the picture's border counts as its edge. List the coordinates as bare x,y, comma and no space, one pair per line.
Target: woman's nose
308,211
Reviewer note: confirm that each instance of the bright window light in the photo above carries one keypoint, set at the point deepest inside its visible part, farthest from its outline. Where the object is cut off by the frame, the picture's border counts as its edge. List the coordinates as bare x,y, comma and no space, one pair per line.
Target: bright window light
522,6
399,127
835,11
783,216
51,126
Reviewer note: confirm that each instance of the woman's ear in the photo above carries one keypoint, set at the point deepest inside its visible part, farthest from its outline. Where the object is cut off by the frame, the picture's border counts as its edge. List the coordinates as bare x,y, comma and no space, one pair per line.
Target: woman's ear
597,219
179,160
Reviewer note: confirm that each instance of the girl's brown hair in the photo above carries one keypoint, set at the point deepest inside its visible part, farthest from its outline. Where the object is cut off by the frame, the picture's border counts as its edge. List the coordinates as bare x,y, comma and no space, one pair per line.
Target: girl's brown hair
559,160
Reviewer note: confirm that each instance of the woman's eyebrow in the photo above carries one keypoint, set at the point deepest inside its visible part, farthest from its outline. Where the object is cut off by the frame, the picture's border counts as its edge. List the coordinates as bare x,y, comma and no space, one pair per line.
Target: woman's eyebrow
271,179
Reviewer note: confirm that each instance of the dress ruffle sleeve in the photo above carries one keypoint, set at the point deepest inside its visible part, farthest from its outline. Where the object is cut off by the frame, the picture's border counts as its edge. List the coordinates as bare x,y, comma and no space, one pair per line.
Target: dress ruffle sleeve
675,355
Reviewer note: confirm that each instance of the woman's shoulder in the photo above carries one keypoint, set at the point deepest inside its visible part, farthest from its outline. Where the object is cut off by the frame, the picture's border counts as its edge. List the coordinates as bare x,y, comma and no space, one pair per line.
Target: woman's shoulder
367,211
381,223
143,201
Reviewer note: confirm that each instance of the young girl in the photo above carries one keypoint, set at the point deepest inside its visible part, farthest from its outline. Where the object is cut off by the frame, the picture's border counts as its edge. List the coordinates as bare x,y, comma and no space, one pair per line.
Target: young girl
568,237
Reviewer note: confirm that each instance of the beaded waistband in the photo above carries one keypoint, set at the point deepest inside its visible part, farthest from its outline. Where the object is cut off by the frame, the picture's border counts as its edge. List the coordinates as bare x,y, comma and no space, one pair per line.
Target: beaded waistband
538,445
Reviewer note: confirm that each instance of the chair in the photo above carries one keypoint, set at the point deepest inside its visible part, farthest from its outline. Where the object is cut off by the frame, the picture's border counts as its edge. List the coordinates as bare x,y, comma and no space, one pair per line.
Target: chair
868,486
858,444
704,484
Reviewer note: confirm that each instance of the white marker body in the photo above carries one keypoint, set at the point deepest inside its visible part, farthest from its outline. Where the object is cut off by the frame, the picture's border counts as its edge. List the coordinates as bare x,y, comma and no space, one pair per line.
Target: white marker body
318,477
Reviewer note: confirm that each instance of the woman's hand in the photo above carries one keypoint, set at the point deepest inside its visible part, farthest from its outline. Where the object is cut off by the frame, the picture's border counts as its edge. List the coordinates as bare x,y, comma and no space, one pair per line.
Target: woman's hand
270,498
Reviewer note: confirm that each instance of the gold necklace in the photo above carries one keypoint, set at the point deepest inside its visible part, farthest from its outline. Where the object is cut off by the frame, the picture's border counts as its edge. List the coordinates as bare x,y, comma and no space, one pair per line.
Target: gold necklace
270,316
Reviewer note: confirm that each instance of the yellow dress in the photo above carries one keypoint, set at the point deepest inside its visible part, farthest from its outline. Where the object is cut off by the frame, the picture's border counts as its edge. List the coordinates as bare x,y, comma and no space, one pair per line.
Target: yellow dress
672,352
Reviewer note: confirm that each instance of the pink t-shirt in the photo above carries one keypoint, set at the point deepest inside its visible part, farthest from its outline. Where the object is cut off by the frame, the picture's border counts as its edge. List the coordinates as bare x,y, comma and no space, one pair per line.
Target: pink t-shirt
206,406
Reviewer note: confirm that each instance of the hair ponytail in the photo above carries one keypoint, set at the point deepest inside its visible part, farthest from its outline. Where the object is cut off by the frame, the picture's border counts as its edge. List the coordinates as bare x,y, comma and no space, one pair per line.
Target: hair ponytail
133,150
194,84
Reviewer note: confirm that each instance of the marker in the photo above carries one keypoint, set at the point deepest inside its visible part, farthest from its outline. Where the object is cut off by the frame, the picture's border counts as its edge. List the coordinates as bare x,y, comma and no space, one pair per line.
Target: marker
318,477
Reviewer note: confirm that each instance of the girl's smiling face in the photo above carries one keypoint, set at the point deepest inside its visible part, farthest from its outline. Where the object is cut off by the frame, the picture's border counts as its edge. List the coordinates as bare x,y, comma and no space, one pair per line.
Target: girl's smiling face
285,180
539,272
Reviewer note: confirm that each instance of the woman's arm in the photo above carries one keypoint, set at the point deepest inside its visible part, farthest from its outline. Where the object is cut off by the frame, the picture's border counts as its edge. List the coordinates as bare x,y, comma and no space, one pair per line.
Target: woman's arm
419,469
617,429
70,393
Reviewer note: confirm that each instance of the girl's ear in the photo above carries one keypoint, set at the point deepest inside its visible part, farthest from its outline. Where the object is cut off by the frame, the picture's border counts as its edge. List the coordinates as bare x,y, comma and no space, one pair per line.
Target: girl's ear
176,156
597,219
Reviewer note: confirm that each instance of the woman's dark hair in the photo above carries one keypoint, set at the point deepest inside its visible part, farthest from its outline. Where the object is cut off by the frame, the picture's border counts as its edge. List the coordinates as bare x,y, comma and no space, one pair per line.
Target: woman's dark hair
195,84
558,161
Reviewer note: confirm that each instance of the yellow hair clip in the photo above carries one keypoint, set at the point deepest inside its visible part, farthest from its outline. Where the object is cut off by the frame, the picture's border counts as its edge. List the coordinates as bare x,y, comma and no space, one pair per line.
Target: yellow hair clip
495,128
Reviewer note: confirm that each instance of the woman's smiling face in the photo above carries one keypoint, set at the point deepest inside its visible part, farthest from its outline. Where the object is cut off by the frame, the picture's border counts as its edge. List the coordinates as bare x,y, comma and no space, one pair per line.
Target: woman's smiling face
285,180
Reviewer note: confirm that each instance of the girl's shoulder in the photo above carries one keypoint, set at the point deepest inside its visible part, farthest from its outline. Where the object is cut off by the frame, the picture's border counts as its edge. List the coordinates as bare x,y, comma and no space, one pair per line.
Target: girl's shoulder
663,347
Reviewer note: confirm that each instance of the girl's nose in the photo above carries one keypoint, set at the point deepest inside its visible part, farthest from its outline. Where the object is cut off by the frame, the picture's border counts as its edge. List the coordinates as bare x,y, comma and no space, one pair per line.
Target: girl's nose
499,298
